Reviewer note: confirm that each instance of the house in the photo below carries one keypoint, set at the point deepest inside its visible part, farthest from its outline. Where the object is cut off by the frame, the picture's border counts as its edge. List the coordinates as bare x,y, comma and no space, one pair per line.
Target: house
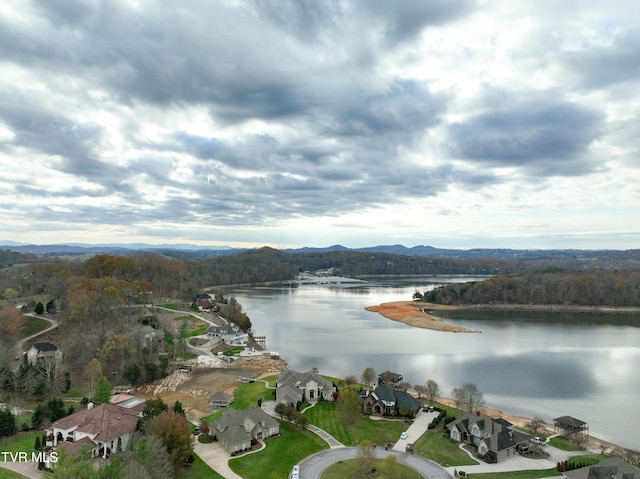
387,401
44,351
612,468
571,428
104,429
237,429
293,386
231,334
204,302
219,399
494,439
390,379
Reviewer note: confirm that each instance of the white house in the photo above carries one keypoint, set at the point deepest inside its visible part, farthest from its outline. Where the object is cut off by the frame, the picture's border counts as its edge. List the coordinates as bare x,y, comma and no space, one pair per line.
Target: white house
104,429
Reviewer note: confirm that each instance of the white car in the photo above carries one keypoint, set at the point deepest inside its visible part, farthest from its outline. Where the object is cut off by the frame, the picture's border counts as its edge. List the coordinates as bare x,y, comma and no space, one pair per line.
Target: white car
404,435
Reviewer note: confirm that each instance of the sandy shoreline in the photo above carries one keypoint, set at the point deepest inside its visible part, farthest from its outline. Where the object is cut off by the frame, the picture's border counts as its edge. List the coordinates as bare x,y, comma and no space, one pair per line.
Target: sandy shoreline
412,314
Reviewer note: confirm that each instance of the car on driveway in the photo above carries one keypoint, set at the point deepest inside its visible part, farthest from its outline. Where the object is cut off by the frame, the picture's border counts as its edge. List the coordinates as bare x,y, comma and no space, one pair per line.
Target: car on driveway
403,435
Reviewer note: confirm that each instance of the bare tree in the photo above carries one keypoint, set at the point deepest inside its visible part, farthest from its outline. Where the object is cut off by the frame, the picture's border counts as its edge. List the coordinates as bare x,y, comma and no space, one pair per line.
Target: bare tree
369,376
468,397
535,424
433,390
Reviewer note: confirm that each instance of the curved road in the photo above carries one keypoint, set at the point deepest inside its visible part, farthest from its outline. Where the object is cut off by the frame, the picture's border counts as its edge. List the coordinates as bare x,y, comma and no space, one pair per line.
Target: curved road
312,467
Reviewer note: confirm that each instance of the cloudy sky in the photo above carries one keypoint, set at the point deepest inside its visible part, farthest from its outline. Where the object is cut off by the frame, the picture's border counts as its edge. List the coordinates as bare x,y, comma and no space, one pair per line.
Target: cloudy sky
309,123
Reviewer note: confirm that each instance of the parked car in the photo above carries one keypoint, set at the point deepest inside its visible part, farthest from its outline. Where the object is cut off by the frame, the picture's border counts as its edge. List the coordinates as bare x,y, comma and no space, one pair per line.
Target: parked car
404,435
196,431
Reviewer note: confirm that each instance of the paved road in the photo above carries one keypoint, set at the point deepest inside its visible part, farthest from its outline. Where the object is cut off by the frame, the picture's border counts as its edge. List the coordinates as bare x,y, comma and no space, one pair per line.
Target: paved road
415,430
312,467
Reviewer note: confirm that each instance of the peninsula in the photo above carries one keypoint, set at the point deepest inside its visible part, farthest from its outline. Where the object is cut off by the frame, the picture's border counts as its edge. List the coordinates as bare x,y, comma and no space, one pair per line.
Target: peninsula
412,313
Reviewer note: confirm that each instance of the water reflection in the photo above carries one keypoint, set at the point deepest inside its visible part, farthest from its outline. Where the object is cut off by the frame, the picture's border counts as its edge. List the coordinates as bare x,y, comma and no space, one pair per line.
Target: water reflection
525,363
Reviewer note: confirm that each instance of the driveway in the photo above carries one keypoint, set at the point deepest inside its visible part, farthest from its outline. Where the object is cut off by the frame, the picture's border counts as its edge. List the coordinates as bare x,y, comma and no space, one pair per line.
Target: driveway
416,429
312,467
216,457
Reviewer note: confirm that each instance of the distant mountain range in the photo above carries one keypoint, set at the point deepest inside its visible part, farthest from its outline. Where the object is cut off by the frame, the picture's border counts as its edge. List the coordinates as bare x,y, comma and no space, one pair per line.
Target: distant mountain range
195,251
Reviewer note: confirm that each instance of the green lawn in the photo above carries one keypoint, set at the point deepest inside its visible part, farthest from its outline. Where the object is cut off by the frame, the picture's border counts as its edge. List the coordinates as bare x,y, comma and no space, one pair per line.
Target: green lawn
325,416
349,468
7,474
32,325
517,474
564,444
280,455
433,445
23,441
588,459
197,470
246,397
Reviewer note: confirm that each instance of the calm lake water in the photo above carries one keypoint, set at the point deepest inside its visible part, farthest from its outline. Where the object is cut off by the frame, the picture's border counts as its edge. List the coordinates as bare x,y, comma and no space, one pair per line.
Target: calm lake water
586,365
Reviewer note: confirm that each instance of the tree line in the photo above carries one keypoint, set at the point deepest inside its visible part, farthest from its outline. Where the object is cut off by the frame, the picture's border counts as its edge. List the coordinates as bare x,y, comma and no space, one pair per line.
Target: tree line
615,288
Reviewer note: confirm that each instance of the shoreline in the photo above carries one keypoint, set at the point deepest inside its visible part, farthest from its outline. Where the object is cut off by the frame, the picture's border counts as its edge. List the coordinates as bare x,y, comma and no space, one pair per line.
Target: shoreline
409,313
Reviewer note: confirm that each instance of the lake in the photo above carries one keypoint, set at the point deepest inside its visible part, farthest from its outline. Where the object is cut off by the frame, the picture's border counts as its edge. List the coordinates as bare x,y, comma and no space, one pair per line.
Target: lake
583,365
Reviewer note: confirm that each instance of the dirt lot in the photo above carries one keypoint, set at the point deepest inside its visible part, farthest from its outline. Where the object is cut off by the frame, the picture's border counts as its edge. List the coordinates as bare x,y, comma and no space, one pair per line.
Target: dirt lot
194,389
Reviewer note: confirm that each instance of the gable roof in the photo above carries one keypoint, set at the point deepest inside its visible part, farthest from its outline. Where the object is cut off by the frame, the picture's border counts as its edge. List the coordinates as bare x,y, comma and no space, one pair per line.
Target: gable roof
292,378
569,422
611,468
501,436
237,426
396,398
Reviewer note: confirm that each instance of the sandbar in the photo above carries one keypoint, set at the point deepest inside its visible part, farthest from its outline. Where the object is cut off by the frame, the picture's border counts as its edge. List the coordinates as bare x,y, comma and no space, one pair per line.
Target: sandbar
411,313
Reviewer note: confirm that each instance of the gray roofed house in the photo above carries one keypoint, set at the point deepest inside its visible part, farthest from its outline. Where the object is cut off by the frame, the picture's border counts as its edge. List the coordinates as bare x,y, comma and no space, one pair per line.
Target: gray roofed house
236,429
494,439
41,351
387,401
293,386
612,468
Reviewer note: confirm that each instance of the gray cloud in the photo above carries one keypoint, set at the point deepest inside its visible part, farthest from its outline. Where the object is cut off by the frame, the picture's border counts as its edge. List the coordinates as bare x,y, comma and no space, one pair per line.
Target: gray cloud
547,138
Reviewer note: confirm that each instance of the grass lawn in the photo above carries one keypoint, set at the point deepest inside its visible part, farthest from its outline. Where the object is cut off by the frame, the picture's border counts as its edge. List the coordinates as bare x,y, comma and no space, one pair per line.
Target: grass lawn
197,470
325,416
246,397
588,459
7,474
280,455
564,444
349,468
433,445
32,325
517,474
21,442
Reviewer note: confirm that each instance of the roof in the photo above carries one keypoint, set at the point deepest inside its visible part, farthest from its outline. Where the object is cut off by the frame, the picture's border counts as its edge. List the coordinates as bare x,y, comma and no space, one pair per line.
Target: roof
220,396
237,426
74,447
612,468
289,377
390,397
570,422
104,422
389,377
501,436
45,347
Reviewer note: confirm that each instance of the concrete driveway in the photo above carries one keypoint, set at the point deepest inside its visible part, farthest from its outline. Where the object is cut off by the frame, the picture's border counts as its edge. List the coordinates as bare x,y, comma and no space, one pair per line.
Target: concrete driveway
216,457
415,430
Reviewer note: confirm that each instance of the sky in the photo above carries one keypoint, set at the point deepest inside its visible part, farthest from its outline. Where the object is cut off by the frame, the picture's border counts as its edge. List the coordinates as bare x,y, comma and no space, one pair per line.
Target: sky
456,124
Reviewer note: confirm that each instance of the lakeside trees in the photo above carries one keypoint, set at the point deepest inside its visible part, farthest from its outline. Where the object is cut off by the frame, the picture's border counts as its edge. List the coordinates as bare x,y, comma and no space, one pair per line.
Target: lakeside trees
468,397
613,288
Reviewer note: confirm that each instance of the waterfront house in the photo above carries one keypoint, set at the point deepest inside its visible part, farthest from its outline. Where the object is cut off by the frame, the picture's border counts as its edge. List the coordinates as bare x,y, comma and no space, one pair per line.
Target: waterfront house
494,439
237,429
387,401
293,386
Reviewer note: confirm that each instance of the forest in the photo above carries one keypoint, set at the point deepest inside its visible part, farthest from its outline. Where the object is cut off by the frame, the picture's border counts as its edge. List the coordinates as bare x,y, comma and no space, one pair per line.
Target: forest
592,287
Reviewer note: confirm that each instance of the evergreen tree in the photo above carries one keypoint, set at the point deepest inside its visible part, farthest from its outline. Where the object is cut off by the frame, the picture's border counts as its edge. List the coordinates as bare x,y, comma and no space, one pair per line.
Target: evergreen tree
7,423
39,309
103,391
177,407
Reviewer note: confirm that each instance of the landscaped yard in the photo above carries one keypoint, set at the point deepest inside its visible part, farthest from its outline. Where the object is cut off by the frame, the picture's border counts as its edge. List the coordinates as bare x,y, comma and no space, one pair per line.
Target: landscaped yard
564,444
349,468
21,442
588,459
325,416
433,445
280,455
197,470
7,474
32,325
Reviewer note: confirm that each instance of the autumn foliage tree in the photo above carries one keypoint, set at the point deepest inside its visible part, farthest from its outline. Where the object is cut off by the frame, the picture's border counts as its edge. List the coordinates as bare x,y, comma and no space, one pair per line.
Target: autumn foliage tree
173,430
